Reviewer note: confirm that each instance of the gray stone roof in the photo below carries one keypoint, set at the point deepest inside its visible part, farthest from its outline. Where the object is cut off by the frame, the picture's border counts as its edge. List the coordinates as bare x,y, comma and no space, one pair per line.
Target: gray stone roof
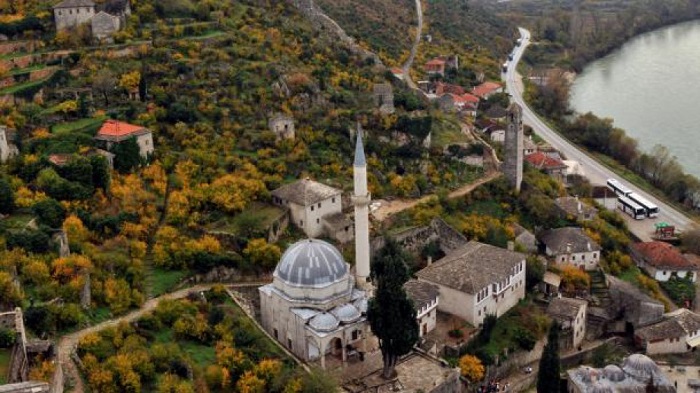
632,377
336,221
75,3
422,293
574,206
496,112
565,309
568,240
381,88
312,263
472,267
679,323
305,192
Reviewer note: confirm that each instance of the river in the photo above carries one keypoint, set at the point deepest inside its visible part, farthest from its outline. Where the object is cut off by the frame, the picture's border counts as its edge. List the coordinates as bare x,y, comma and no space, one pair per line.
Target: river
651,88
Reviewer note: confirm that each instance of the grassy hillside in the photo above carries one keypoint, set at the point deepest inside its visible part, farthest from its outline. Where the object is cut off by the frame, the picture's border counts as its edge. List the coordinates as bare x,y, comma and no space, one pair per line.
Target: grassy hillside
386,26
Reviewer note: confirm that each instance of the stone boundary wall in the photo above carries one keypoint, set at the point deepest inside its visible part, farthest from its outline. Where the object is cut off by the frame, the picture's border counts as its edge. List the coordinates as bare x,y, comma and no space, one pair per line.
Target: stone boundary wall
414,239
17,46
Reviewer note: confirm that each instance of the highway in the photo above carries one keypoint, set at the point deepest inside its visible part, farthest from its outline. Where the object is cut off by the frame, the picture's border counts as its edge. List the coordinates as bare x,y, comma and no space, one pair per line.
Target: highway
595,172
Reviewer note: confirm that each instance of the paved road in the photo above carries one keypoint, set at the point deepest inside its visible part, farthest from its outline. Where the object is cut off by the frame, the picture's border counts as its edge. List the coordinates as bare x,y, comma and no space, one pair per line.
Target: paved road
596,172
409,62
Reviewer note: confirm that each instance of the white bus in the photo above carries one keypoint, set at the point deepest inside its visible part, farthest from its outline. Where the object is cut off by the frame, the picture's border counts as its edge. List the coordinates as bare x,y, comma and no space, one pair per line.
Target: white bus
651,209
618,188
632,208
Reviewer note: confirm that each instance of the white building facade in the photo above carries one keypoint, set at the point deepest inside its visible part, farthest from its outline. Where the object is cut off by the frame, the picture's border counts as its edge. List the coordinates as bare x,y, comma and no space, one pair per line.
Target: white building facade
663,261
572,246
571,316
678,332
425,299
477,280
309,202
4,145
73,13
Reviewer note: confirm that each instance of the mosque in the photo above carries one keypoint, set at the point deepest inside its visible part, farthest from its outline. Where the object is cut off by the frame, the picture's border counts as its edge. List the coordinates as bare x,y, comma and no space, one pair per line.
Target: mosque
315,306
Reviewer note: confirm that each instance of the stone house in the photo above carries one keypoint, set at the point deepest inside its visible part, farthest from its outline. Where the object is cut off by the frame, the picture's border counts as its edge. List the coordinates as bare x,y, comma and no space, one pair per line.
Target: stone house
477,280
548,164
487,89
104,26
309,202
575,208
529,146
662,261
425,298
339,227
282,125
5,153
113,132
678,332
571,316
383,97
435,66
73,13
571,245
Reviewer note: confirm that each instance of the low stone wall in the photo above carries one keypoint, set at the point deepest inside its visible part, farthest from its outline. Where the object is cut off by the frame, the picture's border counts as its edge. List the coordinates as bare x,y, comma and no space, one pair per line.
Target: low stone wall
17,46
42,73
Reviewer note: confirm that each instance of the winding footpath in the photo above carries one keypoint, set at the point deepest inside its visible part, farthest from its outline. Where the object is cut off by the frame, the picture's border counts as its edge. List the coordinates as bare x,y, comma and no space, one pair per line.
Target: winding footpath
69,343
594,170
414,49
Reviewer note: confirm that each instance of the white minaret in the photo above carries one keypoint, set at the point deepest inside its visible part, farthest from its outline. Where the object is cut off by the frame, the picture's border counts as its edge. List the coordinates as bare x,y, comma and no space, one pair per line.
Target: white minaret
4,145
360,200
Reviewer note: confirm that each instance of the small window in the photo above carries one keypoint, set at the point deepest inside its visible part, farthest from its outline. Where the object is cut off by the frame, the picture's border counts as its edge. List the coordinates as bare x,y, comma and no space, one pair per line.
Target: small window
70,12
301,223
289,343
312,208
77,11
333,200
275,333
319,205
60,13
594,255
318,221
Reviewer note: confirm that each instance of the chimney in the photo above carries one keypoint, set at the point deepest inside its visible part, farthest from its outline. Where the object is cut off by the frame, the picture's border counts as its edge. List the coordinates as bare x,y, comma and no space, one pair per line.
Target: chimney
568,248
511,246
430,261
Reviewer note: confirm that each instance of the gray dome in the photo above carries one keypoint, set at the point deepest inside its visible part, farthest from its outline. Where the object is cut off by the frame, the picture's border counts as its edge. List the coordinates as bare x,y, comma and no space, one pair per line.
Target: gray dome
613,373
361,305
324,322
346,313
312,263
640,366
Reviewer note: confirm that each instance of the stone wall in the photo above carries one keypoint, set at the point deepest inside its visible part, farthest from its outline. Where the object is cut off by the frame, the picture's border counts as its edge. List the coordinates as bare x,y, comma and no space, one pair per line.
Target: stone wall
17,46
414,239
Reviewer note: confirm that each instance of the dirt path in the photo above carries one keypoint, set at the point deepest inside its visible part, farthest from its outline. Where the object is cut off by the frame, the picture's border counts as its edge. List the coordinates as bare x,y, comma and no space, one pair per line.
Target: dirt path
69,342
389,208
409,62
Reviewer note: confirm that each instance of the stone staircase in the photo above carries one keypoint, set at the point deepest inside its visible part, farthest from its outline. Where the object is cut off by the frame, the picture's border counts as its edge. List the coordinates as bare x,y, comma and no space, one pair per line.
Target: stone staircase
597,315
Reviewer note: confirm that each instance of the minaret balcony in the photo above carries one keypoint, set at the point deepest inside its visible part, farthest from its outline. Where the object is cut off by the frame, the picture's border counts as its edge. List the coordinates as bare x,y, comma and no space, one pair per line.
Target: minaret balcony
361,200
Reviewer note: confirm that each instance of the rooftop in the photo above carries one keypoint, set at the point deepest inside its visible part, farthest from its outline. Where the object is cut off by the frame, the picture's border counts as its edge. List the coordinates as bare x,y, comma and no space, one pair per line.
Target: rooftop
119,130
564,309
679,323
486,88
75,3
574,206
662,255
541,160
305,192
472,267
568,240
422,293
632,377
496,112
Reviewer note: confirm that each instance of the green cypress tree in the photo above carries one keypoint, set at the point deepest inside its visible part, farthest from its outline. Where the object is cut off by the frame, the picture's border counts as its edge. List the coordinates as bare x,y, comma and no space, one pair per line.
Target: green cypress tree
7,197
548,374
390,312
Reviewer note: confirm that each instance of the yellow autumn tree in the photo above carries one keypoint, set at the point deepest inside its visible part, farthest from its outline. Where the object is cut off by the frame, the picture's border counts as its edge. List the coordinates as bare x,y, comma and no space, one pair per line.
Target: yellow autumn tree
471,368
261,253
130,80
573,279
232,193
65,269
250,383
75,230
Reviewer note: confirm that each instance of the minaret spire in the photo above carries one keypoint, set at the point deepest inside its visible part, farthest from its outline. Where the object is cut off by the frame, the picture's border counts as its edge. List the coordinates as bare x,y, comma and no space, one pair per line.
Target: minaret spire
360,200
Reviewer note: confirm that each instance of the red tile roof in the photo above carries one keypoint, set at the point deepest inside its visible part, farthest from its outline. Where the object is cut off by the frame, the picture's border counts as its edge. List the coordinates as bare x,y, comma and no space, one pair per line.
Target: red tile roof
662,255
445,88
118,129
470,98
542,161
486,88
397,71
59,159
435,62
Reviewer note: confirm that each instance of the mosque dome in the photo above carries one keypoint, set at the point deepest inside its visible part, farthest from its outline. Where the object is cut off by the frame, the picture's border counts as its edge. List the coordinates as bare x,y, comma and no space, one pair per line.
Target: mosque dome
641,367
613,373
346,313
324,322
311,263
361,304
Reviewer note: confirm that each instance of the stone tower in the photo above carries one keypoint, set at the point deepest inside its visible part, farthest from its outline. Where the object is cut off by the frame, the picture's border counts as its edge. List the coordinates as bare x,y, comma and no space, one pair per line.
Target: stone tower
513,165
4,145
360,200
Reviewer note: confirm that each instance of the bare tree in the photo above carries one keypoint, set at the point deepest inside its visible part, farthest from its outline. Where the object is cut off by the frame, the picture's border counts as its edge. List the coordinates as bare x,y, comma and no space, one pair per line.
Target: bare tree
104,83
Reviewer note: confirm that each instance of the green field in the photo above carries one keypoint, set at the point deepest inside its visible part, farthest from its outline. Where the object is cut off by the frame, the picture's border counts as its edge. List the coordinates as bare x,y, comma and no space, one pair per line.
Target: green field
78,125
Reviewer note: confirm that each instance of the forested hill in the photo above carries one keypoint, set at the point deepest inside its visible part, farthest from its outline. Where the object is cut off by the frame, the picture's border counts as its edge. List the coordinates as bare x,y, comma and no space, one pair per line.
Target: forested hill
572,33
388,27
